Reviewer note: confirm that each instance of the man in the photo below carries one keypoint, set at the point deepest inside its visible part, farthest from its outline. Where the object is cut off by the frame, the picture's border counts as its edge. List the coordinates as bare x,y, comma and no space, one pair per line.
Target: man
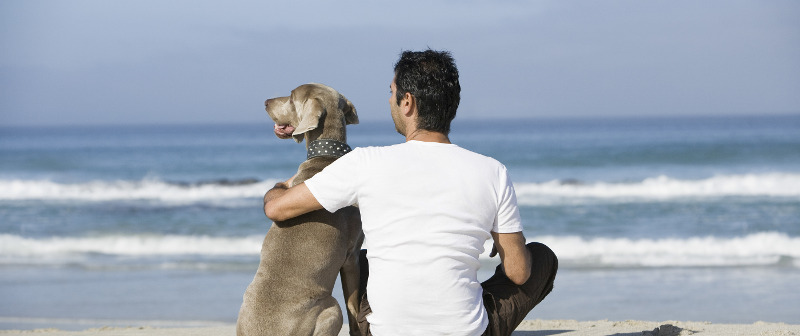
427,207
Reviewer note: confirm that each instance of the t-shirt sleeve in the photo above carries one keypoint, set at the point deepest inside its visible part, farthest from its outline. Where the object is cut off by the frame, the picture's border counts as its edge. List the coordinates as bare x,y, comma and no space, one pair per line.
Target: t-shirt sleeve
508,219
334,187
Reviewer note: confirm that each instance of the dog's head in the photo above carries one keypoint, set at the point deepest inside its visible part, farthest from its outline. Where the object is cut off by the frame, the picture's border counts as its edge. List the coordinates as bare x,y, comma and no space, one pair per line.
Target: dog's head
306,108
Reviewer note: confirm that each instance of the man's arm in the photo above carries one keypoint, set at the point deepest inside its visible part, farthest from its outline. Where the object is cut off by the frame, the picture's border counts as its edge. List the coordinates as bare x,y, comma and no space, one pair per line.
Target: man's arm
514,255
282,203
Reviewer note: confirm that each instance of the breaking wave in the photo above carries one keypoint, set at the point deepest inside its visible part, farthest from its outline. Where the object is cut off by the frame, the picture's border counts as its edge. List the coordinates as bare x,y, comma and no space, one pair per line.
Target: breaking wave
661,188
13,246
758,249
146,189
552,192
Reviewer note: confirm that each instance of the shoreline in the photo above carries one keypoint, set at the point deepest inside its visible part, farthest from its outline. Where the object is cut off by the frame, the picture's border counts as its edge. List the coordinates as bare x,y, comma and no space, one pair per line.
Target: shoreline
526,328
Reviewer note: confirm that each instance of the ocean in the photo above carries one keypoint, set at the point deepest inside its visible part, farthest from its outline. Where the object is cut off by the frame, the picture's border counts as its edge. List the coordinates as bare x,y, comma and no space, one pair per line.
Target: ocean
683,218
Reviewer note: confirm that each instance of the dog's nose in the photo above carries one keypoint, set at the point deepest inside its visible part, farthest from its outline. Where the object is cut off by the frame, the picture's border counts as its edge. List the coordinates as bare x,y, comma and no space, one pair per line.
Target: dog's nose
266,102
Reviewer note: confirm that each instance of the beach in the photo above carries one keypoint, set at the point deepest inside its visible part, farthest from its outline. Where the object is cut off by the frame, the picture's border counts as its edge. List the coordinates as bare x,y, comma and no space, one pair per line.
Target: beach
527,328
659,219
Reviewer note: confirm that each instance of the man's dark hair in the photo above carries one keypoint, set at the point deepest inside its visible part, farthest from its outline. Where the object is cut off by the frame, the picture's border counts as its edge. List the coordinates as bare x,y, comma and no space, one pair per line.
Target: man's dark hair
432,78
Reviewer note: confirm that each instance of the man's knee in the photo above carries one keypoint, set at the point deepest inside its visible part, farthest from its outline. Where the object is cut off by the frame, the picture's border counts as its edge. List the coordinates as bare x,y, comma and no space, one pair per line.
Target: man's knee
541,251
543,259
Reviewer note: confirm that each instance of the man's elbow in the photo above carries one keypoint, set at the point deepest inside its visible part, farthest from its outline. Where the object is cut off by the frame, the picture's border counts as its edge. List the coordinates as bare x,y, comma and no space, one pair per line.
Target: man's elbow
274,213
520,269
520,276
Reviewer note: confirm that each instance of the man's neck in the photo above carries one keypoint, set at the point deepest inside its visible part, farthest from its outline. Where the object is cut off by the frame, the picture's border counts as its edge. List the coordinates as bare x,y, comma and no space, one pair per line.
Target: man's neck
427,136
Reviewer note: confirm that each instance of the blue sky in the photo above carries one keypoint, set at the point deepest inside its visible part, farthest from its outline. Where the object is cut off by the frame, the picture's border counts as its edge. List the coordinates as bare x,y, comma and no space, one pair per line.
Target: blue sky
195,61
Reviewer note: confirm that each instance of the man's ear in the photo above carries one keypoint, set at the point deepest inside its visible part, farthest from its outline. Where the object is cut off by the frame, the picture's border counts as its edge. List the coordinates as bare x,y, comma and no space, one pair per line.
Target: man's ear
407,104
309,114
350,116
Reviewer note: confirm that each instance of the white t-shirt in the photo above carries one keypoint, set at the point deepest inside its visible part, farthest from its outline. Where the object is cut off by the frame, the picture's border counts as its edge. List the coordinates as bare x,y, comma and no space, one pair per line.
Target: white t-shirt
426,209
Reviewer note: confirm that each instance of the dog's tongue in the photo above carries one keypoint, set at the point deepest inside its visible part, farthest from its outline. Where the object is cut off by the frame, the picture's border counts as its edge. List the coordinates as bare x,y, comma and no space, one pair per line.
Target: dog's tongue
284,131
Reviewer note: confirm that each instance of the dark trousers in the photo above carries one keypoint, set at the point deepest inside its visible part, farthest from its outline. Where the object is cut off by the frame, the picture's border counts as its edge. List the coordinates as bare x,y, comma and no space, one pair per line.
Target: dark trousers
506,303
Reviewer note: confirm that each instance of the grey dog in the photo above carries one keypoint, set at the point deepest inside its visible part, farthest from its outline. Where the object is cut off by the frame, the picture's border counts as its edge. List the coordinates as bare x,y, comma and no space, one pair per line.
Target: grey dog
301,257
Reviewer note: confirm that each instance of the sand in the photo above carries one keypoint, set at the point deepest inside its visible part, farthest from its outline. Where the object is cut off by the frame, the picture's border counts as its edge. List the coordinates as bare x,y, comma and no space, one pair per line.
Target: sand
527,328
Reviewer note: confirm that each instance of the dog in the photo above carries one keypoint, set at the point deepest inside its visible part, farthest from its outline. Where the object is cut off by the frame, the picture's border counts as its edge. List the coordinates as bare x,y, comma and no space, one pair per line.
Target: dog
301,257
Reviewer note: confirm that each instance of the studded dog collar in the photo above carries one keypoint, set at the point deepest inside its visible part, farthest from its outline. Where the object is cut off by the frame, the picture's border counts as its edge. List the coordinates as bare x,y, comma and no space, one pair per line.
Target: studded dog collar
327,147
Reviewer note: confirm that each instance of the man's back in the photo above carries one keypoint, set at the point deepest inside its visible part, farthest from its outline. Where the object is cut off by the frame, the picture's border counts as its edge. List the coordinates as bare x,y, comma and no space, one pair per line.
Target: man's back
427,210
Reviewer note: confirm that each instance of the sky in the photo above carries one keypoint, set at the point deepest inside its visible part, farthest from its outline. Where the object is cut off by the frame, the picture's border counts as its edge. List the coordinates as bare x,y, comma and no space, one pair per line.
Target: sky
130,62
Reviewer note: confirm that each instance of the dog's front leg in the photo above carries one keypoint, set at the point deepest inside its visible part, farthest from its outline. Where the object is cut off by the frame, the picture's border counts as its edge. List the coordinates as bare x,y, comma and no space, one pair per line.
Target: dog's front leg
351,275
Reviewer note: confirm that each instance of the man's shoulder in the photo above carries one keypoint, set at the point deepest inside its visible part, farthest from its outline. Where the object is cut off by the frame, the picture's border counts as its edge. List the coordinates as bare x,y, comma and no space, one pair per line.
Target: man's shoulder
371,154
372,150
485,159
446,151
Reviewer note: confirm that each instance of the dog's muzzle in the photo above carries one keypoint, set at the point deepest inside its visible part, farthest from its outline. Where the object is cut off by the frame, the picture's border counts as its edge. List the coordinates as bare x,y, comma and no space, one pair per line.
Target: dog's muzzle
326,147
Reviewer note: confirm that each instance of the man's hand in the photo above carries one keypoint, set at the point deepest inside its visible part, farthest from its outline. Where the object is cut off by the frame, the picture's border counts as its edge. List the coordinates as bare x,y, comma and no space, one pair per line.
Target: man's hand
283,202
277,190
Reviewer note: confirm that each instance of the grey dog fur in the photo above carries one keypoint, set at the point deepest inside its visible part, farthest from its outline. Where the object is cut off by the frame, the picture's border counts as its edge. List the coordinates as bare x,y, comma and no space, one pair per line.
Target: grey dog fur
291,293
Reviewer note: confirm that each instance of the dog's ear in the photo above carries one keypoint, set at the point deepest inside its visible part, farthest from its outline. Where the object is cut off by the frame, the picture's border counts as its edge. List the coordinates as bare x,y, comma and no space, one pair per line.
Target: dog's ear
350,116
309,113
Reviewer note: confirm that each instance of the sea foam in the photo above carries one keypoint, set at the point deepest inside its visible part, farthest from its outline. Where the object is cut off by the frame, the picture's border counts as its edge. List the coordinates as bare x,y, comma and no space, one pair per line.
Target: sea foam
651,189
758,249
13,246
661,188
120,190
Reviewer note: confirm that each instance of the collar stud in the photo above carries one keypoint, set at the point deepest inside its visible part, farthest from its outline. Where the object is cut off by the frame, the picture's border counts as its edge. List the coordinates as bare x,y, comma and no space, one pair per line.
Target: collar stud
327,147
